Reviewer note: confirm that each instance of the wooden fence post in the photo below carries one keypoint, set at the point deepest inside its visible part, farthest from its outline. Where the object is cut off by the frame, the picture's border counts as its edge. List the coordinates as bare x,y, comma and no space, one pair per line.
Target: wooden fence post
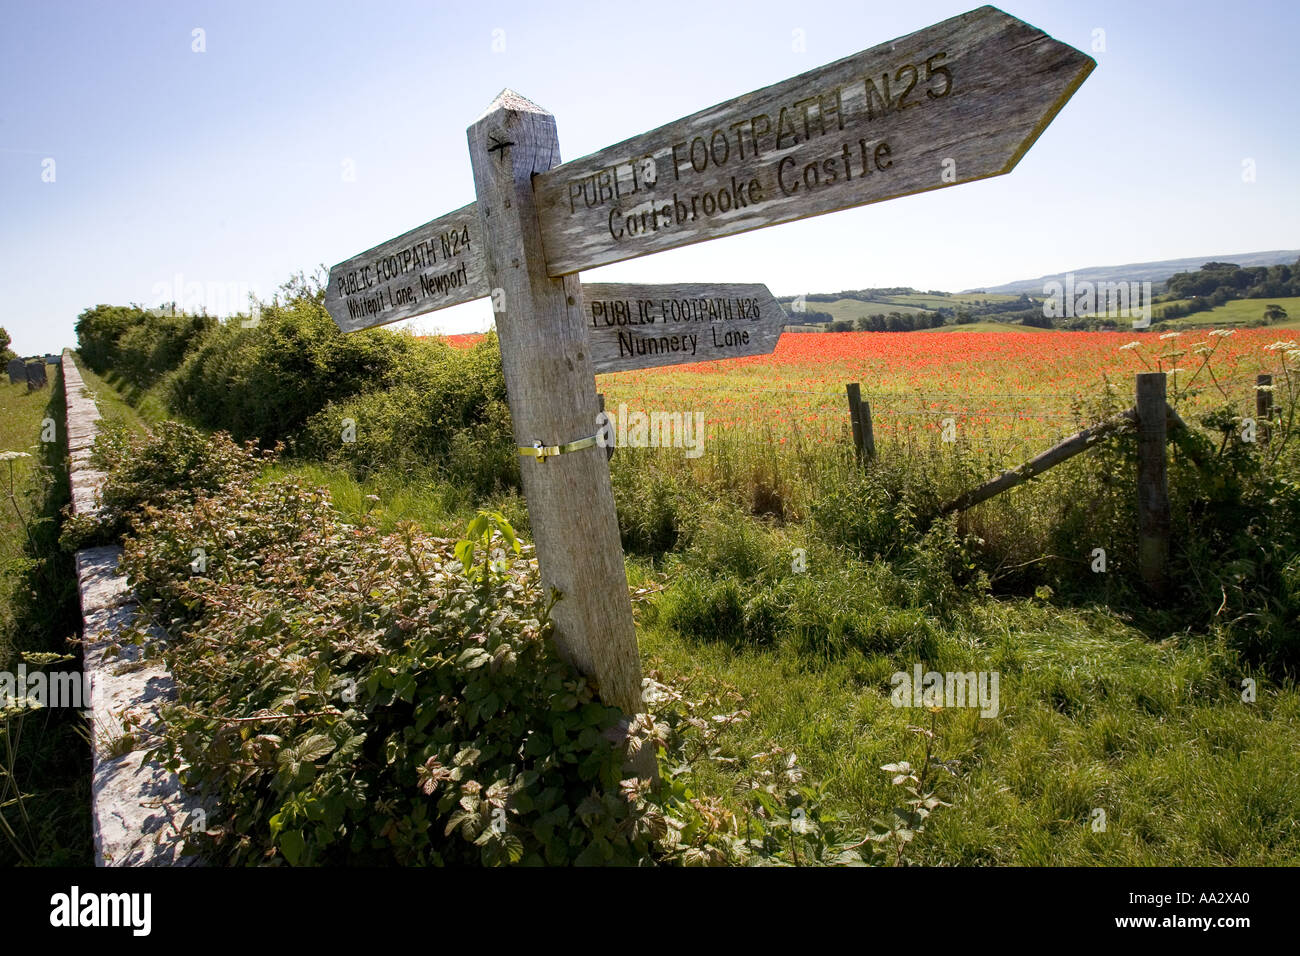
1264,406
552,393
868,433
1153,481
855,418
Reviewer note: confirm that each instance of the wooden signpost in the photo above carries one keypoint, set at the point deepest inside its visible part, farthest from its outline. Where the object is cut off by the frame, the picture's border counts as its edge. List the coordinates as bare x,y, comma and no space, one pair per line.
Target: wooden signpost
434,266
956,102
441,264
646,326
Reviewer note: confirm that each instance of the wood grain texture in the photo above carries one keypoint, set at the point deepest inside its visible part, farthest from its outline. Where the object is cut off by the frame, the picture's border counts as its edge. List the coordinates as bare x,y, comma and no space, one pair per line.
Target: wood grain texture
854,392
551,388
646,326
433,266
956,102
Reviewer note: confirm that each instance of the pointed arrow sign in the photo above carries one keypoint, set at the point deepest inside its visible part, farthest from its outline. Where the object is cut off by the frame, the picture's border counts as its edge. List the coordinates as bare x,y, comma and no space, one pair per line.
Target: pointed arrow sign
434,266
647,326
958,101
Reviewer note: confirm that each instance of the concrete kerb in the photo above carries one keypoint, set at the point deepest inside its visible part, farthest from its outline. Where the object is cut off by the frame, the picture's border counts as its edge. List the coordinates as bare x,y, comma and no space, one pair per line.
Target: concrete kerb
140,812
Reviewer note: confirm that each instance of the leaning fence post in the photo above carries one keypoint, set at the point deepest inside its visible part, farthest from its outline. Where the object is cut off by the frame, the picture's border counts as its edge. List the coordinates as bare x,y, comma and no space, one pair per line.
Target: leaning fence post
1153,481
1264,406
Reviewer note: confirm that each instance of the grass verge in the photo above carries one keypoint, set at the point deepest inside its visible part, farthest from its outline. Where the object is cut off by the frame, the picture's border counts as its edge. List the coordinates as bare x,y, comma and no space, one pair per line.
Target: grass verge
44,752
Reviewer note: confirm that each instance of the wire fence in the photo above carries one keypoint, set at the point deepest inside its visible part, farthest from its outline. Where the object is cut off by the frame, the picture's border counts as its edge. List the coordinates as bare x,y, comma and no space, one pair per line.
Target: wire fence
1006,425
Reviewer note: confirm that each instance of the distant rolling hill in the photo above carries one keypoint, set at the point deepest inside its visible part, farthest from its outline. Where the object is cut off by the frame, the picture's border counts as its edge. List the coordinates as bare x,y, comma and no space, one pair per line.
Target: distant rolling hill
1154,272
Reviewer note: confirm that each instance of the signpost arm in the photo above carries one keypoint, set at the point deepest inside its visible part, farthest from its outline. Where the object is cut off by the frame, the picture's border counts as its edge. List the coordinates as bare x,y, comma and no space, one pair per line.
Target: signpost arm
552,392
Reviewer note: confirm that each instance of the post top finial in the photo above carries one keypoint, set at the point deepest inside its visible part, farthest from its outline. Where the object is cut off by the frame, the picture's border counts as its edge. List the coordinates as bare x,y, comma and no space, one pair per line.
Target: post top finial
508,99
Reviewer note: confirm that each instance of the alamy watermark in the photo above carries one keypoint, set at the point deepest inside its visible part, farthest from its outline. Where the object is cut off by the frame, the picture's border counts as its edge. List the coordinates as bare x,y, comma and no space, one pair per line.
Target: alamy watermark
1084,299
658,429
37,688
948,689
207,298
128,910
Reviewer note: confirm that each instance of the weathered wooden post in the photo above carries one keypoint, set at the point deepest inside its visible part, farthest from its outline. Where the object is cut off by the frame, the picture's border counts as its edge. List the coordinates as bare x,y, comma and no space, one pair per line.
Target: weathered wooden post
1264,406
855,418
551,386
1153,481
868,432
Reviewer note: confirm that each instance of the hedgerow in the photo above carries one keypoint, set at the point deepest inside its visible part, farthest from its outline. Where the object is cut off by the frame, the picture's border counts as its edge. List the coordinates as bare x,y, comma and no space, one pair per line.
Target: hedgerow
353,697
265,380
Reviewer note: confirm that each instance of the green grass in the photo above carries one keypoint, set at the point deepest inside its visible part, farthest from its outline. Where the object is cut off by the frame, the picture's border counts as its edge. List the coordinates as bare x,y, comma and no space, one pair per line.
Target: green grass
39,613
21,415
438,507
118,400
1094,715
1237,312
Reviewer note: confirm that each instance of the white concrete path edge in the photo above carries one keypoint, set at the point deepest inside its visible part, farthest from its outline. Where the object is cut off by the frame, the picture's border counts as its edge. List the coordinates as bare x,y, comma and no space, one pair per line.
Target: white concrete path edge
139,809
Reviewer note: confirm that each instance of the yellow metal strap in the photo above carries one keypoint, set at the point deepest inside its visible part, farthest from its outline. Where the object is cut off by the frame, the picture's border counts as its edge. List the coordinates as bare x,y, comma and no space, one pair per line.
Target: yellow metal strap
542,452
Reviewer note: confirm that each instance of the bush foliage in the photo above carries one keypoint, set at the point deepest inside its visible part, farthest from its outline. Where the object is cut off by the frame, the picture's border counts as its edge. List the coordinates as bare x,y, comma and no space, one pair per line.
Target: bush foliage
366,401
354,697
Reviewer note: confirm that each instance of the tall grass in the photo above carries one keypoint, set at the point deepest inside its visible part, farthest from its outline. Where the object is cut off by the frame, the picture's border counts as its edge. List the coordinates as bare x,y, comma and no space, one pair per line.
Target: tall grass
44,753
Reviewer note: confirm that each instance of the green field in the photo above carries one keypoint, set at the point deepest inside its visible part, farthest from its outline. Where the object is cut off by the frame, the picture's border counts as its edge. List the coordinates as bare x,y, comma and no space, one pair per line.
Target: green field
851,309
21,413
910,304
949,300
987,327
1237,312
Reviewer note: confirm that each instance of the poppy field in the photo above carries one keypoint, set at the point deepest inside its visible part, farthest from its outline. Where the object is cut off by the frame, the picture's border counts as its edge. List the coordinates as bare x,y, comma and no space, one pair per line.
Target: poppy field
1009,391
1008,388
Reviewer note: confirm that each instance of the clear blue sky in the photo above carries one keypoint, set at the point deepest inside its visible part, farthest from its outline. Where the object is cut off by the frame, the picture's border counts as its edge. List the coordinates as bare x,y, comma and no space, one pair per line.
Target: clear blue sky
226,167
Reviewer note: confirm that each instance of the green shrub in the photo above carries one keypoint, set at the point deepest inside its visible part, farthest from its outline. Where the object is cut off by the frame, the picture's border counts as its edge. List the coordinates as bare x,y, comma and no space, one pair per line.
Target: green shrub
265,381
940,566
447,412
173,466
871,511
140,345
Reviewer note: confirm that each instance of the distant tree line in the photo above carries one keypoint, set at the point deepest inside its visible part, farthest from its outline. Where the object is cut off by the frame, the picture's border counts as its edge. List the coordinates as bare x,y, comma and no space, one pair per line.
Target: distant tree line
890,322
1216,283
140,344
